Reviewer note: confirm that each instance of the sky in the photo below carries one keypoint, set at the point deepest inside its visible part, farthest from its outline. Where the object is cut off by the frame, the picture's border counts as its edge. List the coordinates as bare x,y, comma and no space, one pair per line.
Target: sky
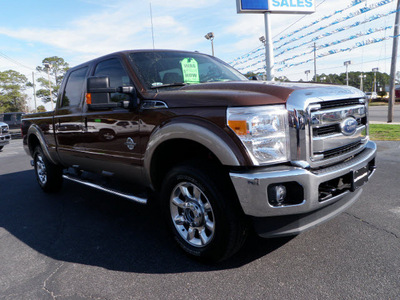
80,30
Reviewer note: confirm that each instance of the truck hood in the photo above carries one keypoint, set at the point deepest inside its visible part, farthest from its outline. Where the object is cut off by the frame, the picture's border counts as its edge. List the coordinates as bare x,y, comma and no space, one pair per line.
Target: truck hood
248,93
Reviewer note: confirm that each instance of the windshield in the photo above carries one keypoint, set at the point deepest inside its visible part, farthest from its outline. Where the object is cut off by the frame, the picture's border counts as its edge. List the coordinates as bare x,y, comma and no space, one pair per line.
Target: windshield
157,69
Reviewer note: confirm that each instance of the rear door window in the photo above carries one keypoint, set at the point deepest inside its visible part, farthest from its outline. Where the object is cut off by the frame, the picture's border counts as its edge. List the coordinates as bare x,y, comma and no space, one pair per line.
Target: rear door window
74,88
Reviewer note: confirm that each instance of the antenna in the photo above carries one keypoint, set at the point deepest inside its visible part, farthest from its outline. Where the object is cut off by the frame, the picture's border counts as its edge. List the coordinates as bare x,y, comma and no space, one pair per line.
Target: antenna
152,27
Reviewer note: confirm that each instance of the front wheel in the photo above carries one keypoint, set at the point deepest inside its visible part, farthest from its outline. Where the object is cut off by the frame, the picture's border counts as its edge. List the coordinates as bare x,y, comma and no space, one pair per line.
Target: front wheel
48,175
202,212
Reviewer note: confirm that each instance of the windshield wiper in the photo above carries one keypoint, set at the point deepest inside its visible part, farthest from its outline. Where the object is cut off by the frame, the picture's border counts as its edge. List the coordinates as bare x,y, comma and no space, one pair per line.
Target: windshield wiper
168,85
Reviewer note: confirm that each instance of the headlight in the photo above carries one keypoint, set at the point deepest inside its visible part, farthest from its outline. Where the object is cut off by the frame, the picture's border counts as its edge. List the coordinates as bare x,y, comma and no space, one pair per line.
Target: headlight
263,130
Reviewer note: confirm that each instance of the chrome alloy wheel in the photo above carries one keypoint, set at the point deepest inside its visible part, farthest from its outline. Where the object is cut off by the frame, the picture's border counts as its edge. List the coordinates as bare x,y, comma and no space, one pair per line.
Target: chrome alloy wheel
192,214
41,170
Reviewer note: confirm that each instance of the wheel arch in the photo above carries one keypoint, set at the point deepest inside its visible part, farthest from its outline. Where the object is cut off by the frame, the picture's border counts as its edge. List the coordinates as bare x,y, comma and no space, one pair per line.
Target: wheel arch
36,138
175,143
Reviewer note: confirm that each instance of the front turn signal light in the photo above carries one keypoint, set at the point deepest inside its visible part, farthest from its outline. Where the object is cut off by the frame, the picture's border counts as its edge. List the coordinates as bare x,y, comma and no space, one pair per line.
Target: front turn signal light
239,127
88,98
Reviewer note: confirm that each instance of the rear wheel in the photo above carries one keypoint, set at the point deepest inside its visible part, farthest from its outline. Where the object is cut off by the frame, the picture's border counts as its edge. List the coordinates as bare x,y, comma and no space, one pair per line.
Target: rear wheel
202,211
107,134
1,148
48,175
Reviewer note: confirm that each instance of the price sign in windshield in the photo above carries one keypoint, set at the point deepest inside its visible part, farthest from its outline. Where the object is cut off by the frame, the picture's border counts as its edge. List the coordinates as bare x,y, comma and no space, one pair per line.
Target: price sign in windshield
190,70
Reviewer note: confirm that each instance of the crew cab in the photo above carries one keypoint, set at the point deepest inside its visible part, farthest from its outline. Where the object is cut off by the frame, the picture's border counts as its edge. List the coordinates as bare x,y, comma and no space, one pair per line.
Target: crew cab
217,152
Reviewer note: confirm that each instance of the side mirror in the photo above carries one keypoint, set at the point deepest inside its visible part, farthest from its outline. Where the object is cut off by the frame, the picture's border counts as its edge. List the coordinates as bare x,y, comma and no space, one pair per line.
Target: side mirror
98,94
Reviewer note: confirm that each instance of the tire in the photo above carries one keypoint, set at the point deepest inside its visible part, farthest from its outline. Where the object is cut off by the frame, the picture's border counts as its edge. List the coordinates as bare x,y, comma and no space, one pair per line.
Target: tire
202,212
1,148
48,175
106,135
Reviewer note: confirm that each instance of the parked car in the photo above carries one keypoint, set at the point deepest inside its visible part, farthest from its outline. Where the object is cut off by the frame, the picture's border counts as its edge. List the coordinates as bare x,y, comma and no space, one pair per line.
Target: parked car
13,119
4,135
371,95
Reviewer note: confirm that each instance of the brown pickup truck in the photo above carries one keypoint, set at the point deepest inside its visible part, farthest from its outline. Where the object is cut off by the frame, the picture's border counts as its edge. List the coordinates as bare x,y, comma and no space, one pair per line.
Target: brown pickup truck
217,152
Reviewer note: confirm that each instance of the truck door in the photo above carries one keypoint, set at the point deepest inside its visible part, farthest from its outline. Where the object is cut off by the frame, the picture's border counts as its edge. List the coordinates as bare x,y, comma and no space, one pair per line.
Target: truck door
112,135
68,116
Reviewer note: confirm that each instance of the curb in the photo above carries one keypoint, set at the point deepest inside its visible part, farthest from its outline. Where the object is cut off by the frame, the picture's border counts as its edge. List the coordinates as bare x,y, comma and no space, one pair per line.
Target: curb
384,123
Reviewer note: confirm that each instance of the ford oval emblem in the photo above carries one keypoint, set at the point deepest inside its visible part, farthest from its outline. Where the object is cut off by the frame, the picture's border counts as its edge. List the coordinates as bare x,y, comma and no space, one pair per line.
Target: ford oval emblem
348,126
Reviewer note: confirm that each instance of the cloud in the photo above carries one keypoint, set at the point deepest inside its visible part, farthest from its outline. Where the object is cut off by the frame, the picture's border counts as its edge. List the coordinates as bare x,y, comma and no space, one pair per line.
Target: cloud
102,32
179,4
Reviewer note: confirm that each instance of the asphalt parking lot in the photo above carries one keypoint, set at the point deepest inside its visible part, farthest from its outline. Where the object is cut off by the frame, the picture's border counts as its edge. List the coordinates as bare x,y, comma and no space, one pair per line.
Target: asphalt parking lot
84,244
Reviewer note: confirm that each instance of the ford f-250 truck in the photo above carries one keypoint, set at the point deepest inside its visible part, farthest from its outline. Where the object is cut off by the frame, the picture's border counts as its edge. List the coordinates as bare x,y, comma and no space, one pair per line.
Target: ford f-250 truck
219,152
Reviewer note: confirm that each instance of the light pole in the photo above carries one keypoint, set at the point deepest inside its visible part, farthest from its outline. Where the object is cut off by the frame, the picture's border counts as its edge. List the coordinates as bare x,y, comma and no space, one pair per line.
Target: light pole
315,62
264,42
347,63
34,90
269,52
362,76
307,72
47,67
210,36
375,70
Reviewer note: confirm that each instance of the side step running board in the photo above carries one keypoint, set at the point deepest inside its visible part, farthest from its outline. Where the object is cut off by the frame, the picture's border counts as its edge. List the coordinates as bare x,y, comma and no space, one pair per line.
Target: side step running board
99,187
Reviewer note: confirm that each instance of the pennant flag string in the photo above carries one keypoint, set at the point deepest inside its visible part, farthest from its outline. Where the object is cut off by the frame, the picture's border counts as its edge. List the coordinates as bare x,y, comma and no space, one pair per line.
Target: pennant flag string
337,21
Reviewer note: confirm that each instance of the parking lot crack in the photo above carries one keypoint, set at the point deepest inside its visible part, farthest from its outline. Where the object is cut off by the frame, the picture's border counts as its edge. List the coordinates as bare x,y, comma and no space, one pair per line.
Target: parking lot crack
45,283
373,225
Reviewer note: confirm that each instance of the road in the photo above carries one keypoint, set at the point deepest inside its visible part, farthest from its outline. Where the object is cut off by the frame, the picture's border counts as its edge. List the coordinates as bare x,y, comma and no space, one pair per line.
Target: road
380,114
84,244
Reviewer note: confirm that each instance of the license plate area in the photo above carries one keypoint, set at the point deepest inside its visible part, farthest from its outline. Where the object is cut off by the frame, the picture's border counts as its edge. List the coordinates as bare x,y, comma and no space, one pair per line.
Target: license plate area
360,177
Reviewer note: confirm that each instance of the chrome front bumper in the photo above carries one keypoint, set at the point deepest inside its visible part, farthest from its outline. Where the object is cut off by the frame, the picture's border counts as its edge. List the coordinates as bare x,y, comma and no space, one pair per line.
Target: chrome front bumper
5,139
252,187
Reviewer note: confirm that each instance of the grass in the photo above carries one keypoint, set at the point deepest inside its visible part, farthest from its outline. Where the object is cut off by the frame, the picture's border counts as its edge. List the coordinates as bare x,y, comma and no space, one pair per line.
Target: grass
384,132
382,102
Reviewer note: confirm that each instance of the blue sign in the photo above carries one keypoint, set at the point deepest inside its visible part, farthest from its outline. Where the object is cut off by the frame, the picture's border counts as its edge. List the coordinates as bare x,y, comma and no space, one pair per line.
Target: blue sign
276,6
254,4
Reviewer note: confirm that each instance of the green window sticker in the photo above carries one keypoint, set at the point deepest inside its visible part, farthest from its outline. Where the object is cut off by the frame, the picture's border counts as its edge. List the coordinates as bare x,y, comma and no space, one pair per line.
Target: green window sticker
190,70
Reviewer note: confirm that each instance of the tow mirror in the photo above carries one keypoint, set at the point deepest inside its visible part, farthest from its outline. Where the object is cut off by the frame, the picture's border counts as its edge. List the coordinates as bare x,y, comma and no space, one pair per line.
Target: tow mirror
98,94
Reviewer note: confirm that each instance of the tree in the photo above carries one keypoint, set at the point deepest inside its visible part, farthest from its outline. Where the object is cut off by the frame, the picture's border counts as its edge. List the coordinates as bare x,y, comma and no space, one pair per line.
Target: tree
12,96
382,79
57,70
41,108
282,79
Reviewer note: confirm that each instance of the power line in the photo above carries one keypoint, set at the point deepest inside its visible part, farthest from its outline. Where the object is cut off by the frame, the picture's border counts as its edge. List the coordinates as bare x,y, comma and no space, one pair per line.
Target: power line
5,56
295,22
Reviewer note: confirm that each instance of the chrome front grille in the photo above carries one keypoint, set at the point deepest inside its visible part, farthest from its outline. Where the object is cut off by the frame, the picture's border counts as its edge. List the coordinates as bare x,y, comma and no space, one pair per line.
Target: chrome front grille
336,128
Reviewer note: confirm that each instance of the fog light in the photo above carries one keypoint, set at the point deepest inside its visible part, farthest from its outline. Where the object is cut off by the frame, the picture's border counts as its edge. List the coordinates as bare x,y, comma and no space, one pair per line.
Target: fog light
280,192
277,195
285,194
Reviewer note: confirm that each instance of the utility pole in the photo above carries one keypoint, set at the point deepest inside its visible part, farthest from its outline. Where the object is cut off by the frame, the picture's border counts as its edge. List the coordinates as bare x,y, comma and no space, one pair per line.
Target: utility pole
392,95
34,90
315,62
48,66
347,63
